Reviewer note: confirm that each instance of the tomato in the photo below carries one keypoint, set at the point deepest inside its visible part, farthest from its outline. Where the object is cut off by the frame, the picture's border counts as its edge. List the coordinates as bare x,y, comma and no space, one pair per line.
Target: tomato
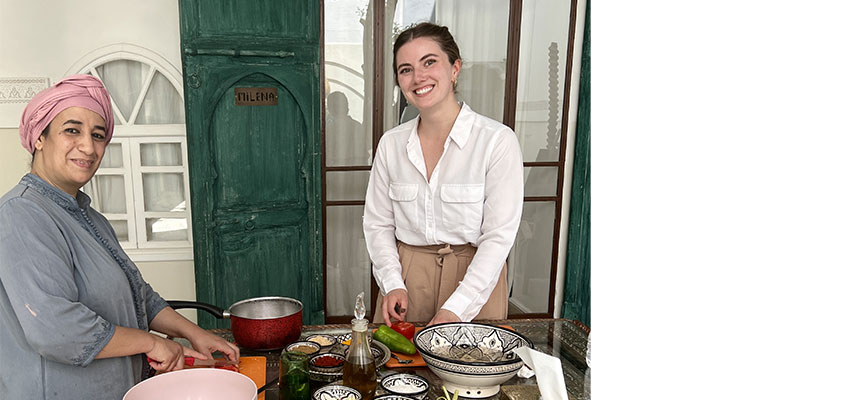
229,368
406,329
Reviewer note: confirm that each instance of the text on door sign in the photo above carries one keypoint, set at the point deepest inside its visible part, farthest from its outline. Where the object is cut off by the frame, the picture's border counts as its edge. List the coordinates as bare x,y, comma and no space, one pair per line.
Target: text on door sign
256,96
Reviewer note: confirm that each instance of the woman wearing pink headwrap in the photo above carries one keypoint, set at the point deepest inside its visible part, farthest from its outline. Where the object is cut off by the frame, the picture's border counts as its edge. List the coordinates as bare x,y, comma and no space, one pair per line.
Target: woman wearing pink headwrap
75,312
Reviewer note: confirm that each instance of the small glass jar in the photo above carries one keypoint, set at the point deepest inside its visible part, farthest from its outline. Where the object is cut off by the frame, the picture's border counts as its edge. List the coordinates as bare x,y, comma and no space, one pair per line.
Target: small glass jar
294,376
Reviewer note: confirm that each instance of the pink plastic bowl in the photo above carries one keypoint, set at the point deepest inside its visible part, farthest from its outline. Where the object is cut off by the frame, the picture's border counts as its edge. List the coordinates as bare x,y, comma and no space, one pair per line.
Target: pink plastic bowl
195,384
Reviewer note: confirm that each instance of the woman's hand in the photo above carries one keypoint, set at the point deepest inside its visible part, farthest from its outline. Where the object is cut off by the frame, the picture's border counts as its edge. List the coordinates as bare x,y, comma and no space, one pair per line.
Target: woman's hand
206,343
394,306
167,355
173,324
444,316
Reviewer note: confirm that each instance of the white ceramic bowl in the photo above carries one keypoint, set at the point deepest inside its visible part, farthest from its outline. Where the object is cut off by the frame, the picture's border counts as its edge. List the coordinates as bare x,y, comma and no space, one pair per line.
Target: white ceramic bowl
324,341
195,383
409,385
469,357
336,392
393,397
313,346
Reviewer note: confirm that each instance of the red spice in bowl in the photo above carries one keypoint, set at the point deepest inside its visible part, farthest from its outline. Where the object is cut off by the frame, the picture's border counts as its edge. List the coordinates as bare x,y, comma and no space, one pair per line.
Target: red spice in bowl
327,361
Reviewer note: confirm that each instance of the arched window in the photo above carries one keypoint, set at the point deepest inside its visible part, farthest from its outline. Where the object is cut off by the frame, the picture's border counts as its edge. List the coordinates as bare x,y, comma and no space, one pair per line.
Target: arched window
142,186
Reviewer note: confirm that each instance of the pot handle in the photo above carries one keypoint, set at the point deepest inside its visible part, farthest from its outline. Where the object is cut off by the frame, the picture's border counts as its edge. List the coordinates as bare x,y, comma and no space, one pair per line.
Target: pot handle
214,310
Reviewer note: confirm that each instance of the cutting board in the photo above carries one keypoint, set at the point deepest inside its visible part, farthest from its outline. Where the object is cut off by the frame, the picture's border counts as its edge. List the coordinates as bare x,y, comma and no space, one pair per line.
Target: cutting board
254,368
418,362
417,358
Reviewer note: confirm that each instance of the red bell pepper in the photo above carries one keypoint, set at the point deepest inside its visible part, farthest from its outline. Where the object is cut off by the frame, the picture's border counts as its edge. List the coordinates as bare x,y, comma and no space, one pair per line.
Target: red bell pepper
406,329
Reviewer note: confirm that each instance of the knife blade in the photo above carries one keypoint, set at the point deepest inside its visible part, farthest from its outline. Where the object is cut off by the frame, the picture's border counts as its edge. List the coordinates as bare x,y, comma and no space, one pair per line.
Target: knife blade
190,361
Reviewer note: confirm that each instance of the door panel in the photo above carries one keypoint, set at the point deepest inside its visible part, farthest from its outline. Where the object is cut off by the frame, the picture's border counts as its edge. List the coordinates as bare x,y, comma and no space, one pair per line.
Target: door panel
256,20
254,170
257,201
274,156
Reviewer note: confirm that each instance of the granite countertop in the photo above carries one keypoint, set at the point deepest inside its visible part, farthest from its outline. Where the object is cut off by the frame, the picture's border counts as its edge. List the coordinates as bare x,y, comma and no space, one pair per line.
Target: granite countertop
561,338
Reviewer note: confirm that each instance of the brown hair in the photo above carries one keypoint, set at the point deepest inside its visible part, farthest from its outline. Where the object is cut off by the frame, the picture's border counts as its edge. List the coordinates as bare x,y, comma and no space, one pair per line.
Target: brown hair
439,34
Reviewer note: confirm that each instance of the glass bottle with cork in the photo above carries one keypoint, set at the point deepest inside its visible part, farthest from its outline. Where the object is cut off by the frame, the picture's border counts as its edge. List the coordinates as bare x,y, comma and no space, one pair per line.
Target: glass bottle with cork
359,371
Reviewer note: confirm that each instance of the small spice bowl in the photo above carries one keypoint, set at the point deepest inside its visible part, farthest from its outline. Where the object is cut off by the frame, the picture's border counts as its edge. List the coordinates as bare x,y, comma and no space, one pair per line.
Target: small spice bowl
328,363
393,397
324,341
405,385
336,392
308,348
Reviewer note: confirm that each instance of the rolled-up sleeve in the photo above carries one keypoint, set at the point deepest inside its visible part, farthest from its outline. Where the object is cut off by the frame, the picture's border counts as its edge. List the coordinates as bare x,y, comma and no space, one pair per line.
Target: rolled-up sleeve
37,273
153,303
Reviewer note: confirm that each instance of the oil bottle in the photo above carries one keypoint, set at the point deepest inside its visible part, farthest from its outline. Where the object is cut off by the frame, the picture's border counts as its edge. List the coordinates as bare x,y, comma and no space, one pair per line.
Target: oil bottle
359,371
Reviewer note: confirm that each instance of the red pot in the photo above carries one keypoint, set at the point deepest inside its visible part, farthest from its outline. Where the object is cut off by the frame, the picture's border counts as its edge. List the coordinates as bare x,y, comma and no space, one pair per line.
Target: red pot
261,323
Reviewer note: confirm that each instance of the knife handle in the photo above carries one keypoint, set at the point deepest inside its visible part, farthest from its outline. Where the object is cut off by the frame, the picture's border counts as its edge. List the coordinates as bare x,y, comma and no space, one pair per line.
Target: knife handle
187,361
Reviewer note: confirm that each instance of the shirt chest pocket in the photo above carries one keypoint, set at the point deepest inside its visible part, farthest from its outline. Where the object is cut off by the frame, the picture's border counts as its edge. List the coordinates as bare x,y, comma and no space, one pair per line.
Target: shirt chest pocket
463,206
403,196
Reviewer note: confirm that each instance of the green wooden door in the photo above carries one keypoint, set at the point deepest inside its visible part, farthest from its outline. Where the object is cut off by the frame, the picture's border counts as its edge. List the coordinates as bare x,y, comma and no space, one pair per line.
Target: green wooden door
254,164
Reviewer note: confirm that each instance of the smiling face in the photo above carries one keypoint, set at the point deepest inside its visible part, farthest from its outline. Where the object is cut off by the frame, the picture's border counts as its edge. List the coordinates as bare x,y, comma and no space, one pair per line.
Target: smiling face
68,156
425,74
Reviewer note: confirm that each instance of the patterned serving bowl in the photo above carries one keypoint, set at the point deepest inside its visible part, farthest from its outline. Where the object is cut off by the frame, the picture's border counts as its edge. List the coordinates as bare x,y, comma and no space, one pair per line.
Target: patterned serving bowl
472,358
393,397
336,392
325,342
405,385
336,368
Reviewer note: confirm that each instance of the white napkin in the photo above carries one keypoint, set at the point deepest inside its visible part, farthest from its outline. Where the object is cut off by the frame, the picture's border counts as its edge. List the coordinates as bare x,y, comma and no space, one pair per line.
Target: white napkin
550,376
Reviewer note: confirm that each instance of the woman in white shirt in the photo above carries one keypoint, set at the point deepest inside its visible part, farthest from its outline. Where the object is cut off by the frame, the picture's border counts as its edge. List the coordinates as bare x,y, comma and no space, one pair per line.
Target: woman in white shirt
445,195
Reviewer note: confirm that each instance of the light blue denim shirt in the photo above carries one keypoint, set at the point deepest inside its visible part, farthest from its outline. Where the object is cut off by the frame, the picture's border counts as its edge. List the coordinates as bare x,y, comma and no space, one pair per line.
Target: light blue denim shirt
65,283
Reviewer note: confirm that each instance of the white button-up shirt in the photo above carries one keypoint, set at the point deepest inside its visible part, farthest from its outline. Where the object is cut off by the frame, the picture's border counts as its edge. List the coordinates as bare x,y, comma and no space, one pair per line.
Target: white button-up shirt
474,196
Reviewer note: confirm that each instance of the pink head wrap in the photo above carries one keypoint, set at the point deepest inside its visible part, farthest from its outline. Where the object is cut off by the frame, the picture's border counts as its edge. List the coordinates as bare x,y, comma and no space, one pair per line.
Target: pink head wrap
74,91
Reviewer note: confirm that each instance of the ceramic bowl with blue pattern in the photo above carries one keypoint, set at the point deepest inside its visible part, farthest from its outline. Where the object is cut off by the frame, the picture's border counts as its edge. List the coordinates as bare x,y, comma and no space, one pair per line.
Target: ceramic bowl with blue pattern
409,385
336,392
472,358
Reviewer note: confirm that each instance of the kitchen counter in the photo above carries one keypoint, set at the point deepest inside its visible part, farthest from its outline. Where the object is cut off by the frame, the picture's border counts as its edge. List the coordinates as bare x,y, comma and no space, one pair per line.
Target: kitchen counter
561,338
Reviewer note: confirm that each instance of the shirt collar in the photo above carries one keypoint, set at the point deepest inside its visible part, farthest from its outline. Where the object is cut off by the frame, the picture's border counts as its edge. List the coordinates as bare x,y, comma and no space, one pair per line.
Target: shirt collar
459,133
58,196
462,126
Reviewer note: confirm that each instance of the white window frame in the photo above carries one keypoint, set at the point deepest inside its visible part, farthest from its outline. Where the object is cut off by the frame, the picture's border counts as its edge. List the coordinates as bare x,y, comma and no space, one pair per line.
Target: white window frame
139,196
125,172
131,137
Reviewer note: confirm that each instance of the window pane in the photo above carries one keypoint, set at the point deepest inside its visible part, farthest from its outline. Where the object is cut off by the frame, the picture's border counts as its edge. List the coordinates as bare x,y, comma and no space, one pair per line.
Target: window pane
349,269
347,185
540,85
124,79
121,230
541,181
160,154
162,104
113,157
480,28
349,71
163,192
109,193
165,229
530,261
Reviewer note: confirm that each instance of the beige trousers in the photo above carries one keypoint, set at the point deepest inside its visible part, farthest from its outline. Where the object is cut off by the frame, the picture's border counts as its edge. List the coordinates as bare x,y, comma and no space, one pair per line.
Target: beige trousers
432,273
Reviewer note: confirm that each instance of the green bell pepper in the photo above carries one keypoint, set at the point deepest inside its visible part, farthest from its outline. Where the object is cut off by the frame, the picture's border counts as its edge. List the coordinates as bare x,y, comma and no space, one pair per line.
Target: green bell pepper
394,340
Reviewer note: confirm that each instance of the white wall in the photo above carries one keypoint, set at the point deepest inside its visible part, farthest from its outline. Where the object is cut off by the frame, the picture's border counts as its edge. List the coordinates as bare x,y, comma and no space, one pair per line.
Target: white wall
46,38
14,160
